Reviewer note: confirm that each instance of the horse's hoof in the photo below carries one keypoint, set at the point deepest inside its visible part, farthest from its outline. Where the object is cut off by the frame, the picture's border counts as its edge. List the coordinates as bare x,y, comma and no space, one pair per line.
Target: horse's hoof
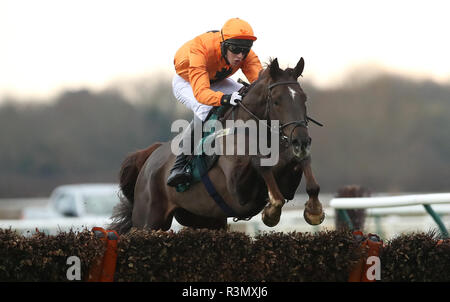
271,216
314,219
270,222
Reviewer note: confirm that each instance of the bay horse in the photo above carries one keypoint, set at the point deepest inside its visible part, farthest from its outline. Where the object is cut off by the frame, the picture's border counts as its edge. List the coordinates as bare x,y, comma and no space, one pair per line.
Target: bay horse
244,184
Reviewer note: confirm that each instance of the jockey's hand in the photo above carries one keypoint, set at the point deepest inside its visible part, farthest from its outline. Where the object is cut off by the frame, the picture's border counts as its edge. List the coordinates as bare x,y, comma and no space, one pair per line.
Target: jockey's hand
231,99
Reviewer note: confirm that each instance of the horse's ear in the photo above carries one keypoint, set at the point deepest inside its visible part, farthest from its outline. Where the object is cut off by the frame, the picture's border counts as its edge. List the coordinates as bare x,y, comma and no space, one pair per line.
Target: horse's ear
299,68
274,69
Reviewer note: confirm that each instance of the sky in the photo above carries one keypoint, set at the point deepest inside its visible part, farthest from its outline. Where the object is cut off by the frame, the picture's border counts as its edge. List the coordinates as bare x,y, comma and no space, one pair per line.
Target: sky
47,46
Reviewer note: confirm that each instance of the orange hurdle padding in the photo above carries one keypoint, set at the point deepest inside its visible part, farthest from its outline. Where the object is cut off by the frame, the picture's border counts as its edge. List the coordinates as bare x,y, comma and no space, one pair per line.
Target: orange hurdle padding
442,241
355,274
103,268
110,259
372,245
96,268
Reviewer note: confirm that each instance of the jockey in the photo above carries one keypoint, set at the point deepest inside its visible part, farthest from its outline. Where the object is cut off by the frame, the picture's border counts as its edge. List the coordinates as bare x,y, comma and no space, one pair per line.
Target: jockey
203,66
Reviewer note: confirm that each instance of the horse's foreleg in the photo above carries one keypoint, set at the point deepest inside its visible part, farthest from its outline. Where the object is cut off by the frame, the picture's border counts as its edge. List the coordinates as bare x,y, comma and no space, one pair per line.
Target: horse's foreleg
272,212
313,213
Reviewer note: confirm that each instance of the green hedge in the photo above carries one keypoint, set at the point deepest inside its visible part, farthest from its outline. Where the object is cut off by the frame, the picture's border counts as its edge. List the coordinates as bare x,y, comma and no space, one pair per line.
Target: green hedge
222,256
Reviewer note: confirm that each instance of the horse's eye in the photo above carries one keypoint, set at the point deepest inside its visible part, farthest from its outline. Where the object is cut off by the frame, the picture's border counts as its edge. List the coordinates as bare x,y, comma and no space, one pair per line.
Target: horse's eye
276,103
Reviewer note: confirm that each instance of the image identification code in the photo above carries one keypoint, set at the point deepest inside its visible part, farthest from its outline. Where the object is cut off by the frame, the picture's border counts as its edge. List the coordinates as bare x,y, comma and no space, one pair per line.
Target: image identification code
230,291
242,291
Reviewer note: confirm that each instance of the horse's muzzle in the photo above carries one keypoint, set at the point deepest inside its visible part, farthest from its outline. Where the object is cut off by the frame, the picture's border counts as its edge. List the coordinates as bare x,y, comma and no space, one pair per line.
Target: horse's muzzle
301,148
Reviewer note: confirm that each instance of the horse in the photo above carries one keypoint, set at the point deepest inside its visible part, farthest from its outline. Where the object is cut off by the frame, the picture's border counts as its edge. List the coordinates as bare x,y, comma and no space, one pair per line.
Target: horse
244,185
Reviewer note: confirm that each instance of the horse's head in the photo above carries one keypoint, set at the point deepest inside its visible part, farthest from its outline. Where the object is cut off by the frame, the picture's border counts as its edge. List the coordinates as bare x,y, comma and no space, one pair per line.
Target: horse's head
284,100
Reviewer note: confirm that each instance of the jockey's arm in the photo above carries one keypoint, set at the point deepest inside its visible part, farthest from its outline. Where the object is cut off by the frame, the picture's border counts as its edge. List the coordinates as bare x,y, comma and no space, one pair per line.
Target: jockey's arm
199,78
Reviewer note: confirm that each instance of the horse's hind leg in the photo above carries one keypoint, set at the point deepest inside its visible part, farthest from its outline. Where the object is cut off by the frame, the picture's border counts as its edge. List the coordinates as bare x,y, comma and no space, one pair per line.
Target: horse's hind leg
155,212
160,211
157,215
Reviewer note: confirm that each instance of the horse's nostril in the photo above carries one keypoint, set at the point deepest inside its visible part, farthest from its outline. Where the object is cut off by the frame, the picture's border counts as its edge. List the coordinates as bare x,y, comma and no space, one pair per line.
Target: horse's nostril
301,144
306,143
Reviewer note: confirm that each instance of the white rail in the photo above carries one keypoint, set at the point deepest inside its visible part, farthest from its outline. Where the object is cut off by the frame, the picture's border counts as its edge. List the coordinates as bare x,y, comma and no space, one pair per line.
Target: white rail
342,204
389,201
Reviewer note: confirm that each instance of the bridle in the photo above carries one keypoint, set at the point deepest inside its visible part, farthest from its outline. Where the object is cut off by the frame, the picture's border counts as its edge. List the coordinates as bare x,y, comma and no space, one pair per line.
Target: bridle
286,140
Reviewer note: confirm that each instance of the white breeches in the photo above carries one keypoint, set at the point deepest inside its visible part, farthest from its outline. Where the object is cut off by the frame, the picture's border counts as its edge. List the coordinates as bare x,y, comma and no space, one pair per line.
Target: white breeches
182,91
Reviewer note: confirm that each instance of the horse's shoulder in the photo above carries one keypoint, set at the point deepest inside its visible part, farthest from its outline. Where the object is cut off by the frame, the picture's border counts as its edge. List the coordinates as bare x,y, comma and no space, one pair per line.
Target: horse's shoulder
159,156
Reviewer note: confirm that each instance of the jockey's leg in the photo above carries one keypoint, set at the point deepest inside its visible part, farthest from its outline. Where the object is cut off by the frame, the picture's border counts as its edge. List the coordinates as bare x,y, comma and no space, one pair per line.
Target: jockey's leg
179,174
182,91
227,86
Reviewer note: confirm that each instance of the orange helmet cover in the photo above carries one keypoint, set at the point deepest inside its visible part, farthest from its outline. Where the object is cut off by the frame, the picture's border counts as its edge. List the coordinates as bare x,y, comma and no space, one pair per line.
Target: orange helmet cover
236,28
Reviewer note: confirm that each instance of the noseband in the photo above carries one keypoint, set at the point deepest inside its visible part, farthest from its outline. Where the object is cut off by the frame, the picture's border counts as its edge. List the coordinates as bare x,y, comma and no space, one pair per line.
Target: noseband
287,141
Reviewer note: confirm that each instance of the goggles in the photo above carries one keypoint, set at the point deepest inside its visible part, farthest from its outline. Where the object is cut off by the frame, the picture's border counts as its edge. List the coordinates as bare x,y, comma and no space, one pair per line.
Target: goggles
238,49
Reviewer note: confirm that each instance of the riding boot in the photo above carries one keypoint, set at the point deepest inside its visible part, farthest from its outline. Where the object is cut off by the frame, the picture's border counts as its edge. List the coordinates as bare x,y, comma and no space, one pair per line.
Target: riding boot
179,174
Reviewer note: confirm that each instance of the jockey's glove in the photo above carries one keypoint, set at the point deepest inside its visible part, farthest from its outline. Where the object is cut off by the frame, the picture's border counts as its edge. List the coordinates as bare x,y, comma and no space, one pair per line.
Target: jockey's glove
231,99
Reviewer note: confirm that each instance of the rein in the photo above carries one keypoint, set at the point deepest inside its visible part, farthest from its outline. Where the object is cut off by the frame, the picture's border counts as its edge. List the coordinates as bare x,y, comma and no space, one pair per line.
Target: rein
304,123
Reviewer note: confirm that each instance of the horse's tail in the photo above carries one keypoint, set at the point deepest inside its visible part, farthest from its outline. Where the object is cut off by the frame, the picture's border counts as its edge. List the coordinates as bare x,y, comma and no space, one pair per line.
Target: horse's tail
129,171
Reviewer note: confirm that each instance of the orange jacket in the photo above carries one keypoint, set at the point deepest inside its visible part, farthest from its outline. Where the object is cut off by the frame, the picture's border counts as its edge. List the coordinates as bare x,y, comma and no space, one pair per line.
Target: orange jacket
200,62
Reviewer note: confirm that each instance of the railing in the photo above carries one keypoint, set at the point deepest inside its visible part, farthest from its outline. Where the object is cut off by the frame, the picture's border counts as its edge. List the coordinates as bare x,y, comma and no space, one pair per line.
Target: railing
343,204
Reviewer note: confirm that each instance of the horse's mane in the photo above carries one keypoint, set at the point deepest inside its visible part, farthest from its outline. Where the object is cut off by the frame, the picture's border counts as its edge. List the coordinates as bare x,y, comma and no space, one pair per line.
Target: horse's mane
267,64
262,76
